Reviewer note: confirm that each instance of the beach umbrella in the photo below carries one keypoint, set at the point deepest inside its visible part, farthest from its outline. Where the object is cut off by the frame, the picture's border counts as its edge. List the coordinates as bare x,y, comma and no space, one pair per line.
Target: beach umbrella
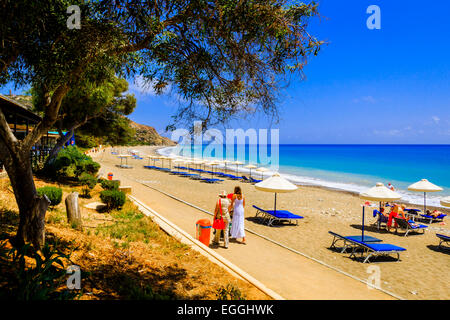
213,164
262,169
445,202
150,157
199,162
237,163
251,166
377,193
276,184
187,163
424,186
162,158
225,162
124,156
179,160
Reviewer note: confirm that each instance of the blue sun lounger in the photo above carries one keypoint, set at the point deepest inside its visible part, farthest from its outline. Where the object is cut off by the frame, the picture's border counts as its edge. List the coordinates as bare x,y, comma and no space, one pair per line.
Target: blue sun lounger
254,180
443,239
408,226
270,216
374,249
439,218
211,180
381,219
190,175
233,177
348,241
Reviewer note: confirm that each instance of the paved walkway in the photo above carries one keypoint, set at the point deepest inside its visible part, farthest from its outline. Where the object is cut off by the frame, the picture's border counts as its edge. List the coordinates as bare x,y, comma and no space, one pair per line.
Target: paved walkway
287,273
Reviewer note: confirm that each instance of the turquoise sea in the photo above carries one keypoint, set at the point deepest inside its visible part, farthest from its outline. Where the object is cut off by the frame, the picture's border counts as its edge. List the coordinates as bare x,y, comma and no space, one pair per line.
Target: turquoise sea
355,167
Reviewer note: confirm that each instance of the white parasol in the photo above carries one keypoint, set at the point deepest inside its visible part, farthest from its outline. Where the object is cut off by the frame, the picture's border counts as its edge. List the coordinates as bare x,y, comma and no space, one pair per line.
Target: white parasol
262,169
276,184
251,166
424,186
377,193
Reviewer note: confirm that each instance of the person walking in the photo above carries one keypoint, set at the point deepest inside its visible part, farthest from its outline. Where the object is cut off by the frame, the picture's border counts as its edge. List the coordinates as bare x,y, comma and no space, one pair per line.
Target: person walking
237,224
221,210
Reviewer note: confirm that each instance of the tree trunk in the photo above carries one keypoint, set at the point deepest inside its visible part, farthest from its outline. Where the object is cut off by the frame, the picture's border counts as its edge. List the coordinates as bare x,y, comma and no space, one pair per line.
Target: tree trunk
62,140
73,210
32,208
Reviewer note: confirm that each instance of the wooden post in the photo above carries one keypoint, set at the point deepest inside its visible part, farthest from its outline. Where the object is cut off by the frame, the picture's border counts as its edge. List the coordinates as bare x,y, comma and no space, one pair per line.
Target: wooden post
73,210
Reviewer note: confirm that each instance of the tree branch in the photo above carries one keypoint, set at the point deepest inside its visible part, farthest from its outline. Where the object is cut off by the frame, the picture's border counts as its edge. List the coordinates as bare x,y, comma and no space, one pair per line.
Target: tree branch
50,116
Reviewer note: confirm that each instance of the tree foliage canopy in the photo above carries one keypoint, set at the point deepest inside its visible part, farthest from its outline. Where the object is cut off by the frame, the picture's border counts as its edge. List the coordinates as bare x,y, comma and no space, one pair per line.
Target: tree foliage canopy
221,58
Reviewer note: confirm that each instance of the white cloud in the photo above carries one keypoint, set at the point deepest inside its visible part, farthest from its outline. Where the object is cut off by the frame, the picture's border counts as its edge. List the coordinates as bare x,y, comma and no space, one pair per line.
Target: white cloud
365,99
436,119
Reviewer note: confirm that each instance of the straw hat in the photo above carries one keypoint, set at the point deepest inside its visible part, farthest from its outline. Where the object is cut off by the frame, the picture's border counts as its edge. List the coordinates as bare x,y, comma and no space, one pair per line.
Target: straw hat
223,194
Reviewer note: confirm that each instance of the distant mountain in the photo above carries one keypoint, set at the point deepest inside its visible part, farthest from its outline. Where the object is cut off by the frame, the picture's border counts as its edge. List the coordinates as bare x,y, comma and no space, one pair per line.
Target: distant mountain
147,135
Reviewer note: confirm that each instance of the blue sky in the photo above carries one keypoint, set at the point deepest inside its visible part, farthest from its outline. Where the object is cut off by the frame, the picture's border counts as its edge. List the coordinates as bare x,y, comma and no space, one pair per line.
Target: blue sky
366,86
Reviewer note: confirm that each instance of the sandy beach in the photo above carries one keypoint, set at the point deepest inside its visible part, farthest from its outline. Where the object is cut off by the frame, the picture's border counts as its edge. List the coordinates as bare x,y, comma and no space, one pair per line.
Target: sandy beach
422,272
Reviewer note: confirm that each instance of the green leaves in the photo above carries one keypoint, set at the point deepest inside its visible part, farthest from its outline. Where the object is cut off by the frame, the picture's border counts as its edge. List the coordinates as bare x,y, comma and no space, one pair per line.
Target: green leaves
223,58
39,279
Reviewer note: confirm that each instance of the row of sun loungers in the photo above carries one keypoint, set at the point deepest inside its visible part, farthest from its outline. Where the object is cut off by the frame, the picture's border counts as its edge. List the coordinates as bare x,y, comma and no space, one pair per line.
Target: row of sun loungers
185,174
407,225
221,174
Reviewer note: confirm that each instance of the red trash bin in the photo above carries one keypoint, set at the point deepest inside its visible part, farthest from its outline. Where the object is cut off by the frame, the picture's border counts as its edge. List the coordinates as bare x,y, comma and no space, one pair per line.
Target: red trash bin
203,231
110,176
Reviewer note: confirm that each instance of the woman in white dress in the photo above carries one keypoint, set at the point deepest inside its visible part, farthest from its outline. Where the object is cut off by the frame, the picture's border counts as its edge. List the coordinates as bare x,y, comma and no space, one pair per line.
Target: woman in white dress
237,224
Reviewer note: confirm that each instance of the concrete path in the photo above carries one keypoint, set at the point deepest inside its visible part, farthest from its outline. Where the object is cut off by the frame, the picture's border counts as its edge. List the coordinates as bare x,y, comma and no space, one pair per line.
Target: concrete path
287,273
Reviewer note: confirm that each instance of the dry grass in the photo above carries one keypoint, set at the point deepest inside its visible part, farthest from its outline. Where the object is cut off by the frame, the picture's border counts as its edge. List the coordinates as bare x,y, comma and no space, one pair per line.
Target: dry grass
124,254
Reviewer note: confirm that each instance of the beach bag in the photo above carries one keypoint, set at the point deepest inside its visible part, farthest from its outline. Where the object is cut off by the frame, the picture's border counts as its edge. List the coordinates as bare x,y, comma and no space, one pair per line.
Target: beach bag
219,224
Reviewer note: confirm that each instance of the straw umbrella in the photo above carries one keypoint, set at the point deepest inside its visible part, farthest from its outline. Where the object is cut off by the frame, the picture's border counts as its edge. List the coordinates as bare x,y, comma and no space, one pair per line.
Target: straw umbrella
179,160
225,162
199,162
262,169
162,158
237,163
251,166
124,156
212,164
276,184
377,193
187,163
424,186
445,202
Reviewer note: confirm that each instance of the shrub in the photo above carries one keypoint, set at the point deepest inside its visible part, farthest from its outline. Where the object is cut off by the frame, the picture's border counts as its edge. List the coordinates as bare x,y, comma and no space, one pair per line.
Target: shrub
88,182
70,163
45,279
113,198
86,166
110,184
54,194
230,292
